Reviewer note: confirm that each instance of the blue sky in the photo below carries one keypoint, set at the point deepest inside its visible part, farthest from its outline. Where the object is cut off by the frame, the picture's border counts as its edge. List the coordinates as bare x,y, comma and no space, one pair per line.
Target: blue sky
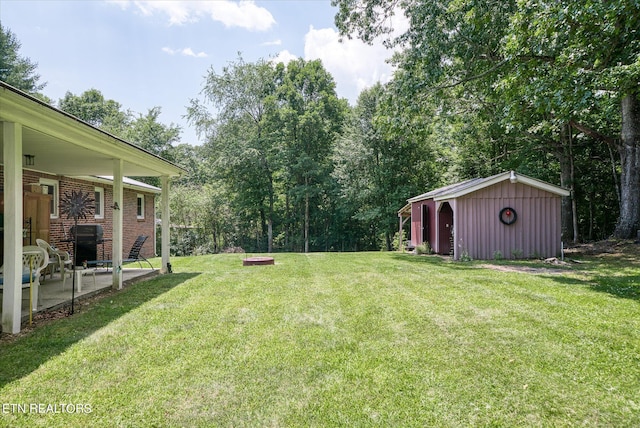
144,54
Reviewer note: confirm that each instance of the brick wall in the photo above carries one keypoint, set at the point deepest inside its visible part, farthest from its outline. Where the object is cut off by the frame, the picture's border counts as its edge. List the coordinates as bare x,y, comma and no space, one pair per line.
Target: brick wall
132,226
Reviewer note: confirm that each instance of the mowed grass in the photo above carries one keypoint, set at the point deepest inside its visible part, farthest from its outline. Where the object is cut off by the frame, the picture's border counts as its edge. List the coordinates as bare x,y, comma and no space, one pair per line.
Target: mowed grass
329,340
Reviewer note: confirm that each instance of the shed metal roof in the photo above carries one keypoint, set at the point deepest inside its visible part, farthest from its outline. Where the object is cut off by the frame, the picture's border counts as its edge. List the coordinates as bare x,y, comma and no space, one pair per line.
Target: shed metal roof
456,190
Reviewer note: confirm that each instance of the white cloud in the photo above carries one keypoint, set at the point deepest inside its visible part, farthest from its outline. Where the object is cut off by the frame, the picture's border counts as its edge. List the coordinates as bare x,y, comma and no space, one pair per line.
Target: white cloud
284,56
243,14
189,52
272,43
185,52
353,64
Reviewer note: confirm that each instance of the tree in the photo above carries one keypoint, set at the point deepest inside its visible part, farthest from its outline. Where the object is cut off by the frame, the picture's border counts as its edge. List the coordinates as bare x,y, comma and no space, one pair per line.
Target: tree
146,132
202,221
93,108
195,160
16,70
306,118
383,157
244,158
529,78
569,76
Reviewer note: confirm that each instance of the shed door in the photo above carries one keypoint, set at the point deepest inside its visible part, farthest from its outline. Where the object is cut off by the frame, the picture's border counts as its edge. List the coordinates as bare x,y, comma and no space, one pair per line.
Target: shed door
445,229
425,223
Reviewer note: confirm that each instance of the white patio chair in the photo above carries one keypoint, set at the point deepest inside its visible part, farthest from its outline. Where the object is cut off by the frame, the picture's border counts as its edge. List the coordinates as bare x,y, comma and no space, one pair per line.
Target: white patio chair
58,259
34,263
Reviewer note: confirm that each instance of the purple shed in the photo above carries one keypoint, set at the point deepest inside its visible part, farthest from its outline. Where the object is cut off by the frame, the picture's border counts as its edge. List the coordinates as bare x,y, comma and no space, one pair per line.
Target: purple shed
508,214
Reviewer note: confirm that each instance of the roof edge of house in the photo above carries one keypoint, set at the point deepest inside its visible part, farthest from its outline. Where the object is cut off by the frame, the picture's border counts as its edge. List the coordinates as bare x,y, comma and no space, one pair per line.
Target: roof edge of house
127,182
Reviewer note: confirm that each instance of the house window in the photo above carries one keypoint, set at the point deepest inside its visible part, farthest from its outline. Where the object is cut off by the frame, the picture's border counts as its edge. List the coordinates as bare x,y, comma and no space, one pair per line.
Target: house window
140,210
50,187
99,202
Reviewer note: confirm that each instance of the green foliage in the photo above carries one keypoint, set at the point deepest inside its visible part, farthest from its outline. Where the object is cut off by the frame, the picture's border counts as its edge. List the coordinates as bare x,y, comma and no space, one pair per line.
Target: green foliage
144,131
241,154
147,132
398,240
383,157
16,70
270,144
574,63
201,220
533,86
424,248
465,256
93,108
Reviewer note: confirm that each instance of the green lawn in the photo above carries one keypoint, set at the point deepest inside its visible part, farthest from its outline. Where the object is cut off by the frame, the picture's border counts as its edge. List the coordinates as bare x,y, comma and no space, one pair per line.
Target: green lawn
328,340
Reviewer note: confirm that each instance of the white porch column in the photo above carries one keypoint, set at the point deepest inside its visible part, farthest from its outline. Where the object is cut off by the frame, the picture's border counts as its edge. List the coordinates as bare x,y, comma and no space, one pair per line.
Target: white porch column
166,222
116,251
12,288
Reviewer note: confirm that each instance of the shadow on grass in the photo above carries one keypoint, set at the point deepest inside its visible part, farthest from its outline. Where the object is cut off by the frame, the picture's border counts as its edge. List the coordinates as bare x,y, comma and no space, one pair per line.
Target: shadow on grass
604,277
622,286
435,260
21,356
431,259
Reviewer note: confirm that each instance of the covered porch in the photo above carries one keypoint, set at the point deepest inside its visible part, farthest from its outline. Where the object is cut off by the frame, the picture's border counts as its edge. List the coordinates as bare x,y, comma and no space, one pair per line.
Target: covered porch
36,136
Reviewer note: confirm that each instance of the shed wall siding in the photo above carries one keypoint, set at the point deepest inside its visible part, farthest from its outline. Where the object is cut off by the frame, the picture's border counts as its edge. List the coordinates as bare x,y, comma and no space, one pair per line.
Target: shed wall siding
536,233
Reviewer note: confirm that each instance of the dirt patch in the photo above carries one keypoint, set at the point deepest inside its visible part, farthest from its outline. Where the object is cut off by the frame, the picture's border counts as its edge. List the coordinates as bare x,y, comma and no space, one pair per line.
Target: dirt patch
627,251
526,269
609,247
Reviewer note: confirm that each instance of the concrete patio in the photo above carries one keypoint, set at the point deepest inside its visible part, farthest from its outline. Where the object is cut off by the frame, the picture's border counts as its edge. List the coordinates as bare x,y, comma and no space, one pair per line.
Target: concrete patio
53,296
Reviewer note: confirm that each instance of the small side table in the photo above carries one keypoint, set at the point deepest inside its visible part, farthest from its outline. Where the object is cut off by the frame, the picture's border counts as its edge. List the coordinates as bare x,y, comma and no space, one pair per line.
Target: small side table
84,272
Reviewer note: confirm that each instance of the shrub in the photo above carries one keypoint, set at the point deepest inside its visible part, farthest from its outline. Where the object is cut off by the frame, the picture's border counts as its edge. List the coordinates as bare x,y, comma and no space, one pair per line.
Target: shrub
465,257
424,248
394,242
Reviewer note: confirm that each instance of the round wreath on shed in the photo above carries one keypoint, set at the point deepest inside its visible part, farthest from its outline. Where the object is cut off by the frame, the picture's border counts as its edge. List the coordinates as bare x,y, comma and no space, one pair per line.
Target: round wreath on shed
508,216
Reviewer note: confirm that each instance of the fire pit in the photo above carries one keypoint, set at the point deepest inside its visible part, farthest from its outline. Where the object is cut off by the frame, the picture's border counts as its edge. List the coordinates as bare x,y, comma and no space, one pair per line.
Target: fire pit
257,261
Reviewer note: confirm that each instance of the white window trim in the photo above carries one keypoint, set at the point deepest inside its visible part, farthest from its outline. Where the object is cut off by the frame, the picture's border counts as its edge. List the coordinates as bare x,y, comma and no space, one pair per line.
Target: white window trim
100,192
140,216
56,195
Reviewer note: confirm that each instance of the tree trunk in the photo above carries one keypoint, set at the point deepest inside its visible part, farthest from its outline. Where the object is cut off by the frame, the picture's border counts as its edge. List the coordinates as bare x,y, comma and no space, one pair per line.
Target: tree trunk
566,180
287,227
270,219
574,200
263,229
629,219
306,216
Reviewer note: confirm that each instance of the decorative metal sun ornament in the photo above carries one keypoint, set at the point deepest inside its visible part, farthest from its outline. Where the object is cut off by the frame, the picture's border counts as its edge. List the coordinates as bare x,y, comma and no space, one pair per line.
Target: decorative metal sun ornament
77,205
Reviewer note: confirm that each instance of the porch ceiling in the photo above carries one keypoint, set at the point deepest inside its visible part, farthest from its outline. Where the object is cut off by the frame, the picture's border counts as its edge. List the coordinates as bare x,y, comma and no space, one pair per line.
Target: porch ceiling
56,156
64,145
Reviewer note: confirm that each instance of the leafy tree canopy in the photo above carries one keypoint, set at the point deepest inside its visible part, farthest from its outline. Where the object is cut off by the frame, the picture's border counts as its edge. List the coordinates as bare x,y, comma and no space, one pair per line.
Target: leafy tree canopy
16,70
